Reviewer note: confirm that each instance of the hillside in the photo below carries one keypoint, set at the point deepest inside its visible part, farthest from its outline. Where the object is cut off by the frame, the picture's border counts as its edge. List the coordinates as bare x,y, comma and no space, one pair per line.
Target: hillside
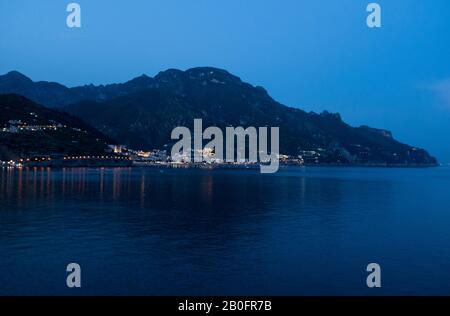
145,119
31,130
142,112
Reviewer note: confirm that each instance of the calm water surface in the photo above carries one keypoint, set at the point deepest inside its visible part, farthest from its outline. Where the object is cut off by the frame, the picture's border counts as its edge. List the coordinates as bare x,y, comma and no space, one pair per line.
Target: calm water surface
237,232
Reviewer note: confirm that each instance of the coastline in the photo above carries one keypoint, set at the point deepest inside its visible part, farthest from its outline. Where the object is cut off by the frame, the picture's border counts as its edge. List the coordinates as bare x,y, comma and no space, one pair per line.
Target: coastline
204,166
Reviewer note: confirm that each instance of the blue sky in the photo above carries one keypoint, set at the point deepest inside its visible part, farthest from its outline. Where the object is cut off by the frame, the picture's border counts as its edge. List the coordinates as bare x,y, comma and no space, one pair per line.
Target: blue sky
312,54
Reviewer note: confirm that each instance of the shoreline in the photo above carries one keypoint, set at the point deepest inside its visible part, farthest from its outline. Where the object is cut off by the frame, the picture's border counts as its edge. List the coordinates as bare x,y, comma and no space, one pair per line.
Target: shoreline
202,166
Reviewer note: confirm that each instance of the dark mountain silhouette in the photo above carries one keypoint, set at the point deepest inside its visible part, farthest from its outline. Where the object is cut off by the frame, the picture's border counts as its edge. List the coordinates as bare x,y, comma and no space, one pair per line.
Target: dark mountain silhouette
55,95
28,129
142,112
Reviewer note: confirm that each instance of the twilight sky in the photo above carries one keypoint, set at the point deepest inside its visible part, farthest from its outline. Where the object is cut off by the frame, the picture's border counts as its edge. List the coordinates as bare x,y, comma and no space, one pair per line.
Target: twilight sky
312,54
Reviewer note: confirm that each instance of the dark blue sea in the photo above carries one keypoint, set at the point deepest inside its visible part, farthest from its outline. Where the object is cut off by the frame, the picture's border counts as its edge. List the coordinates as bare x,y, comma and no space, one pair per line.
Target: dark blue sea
302,231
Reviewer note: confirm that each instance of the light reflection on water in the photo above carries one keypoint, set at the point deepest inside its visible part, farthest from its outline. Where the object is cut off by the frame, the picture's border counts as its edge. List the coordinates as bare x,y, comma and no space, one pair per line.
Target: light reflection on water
237,232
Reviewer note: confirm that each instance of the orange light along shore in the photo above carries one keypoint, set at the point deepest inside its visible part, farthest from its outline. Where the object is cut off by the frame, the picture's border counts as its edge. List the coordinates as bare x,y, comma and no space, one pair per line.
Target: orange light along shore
70,161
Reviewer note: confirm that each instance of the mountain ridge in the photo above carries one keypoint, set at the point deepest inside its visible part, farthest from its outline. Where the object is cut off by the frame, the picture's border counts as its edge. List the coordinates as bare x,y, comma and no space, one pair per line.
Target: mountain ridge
142,111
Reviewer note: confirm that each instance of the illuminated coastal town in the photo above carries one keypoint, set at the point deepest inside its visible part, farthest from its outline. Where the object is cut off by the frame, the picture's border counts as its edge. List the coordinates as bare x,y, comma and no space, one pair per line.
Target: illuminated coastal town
122,155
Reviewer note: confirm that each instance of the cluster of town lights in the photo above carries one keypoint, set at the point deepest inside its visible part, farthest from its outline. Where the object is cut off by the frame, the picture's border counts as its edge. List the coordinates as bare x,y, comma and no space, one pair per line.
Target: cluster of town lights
22,161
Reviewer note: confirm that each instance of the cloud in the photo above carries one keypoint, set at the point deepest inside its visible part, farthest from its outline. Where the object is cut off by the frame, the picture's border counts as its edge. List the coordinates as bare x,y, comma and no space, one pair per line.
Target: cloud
442,91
